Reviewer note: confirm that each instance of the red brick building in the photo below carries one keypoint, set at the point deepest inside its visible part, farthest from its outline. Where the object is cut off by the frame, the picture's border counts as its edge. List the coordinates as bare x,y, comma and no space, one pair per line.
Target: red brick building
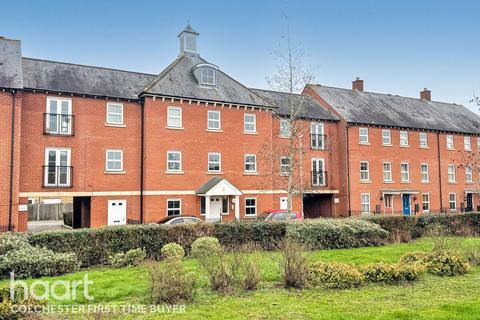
125,147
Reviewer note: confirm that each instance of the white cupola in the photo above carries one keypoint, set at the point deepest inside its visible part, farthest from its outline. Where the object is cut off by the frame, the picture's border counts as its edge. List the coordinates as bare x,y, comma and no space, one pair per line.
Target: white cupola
188,40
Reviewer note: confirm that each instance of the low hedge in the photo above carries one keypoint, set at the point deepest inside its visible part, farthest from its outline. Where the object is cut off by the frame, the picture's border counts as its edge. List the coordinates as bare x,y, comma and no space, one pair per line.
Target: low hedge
94,246
406,228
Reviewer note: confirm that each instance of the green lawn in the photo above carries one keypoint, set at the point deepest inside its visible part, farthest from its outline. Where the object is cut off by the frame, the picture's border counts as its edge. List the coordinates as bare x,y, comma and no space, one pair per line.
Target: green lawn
431,298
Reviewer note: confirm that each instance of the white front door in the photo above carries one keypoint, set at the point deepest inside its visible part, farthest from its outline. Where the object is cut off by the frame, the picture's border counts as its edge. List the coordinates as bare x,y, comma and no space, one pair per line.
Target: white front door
215,208
283,203
117,212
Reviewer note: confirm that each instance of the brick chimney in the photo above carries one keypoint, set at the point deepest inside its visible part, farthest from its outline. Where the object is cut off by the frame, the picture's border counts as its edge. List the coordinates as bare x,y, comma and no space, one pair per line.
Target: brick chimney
426,94
357,84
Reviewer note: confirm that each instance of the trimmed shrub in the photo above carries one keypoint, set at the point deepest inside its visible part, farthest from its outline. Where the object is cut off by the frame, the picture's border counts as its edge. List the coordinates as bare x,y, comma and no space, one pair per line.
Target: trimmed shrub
9,242
439,263
334,275
6,304
392,273
37,262
294,264
169,283
131,258
205,246
405,228
336,233
172,251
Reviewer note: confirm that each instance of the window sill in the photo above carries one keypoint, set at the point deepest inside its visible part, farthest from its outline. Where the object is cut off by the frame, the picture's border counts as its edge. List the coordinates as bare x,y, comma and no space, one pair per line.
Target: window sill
407,182
424,147
469,150
364,143
390,182
425,182
214,130
387,145
283,137
174,172
468,182
251,133
115,125
214,172
115,172
450,149
405,146
452,182
250,173
175,128
250,216
366,182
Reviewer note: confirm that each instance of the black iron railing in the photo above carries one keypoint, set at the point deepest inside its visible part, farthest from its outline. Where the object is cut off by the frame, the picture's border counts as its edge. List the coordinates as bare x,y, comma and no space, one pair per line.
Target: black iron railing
57,176
317,141
319,178
58,124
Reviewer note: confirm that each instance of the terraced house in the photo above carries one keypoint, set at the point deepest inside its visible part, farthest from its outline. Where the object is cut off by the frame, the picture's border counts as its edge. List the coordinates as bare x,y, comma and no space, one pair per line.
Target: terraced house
125,147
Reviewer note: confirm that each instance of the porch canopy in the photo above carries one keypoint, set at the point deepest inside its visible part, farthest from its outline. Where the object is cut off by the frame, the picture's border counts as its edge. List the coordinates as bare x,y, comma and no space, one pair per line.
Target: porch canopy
398,191
218,187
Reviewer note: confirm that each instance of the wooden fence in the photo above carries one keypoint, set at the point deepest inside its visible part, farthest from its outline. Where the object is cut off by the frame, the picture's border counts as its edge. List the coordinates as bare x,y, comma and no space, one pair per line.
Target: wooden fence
44,211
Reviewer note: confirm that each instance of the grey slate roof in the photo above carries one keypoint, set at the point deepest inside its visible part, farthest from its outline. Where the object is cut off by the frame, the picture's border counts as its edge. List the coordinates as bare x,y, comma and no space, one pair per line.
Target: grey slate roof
310,108
10,64
88,80
209,185
177,80
391,110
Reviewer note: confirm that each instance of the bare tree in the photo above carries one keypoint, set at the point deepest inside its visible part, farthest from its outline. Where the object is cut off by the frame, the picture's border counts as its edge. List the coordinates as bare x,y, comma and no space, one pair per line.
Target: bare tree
285,152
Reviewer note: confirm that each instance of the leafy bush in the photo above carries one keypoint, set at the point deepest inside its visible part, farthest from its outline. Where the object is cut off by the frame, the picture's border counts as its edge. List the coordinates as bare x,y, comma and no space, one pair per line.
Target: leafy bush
205,246
336,233
334,275
173,251
392,273
405,228
439,263
131,258
169,283
6,304
36,262
294,264
9,242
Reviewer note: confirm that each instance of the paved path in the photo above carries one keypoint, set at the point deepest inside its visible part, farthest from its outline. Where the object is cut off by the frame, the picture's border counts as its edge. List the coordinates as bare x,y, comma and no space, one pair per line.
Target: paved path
48,225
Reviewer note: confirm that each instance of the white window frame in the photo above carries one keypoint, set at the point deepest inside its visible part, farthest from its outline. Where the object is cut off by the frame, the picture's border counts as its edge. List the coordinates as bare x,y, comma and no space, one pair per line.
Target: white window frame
285,169
179,209
423,139
404,138
110,113
364,203
451,174
174,161
219,120
171,118
426,202
452,201
424,175
467,143
387,172
403,172
285,128
388,200
468,174
250,206
478,143
450,142
57,163
319,164
317,128
58,112
245,163
363,135
365,173
115,160
219,162
245,123
204,77
386,137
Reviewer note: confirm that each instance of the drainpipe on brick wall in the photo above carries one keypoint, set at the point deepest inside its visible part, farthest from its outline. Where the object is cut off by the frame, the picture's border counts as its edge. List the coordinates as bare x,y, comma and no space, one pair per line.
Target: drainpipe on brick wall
348,174
12,154
439,171
142,102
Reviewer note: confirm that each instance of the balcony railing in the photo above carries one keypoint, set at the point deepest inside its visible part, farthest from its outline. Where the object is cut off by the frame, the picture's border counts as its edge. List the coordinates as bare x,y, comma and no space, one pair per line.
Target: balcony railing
57,176
319,178
317,141
58,124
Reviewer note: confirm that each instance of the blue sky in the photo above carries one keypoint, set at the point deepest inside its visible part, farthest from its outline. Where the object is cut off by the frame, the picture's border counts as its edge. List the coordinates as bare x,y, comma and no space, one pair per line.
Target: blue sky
397,47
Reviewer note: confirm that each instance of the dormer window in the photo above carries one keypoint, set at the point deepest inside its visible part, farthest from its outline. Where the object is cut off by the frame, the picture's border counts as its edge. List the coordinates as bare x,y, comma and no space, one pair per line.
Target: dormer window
207,76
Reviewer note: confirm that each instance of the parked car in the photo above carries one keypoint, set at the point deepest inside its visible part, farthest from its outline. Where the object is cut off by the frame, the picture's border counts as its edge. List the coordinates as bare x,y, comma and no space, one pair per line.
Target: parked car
280,215
182,219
